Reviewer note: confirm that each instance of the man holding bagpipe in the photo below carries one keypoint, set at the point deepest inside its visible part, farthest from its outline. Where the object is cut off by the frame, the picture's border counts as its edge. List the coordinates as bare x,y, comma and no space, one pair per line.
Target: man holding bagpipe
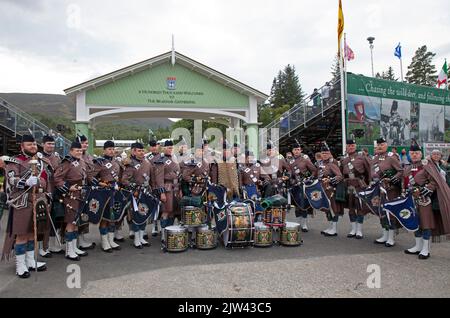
251,181
432,198
355,167
387,170
146,182
153,156
71,181
330,176
49,241
106,174
277,172
301,168
171,186
193,173
27,190
83,229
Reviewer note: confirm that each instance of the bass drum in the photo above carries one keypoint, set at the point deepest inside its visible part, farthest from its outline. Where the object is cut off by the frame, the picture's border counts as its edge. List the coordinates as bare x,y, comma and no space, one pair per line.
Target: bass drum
240,227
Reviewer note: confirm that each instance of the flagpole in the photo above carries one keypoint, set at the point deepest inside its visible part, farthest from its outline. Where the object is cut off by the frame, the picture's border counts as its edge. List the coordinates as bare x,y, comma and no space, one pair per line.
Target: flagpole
401,67
343,95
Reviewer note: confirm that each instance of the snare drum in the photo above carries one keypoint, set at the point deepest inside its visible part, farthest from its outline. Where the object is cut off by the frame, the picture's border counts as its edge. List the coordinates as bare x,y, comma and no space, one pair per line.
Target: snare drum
206,238
192,216
263,235
275,216
290,234
176,238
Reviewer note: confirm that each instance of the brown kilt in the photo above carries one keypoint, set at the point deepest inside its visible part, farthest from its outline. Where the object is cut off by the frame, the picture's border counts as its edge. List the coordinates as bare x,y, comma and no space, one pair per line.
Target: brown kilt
169,206
426,216
71,207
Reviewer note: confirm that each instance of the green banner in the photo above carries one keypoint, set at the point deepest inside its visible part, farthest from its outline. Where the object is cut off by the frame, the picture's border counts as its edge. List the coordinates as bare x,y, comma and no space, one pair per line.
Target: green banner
397,111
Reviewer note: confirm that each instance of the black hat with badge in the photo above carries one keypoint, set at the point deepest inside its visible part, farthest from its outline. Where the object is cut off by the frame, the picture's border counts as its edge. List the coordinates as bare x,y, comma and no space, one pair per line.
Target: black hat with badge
324,147
296,144
75,145
414,146
47,138
381,140
168,143
108,144
27,138
137,145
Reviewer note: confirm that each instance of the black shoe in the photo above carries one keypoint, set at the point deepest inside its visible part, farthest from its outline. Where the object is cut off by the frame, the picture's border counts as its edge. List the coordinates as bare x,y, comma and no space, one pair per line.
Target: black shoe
119,240
351,235
118,248
109,250
139,247
145,236
379,243
57,253
323,232
24,275
41,268
423,257
83,255
47,255
146,244
90,247
411,253
76,259
131,237
389,245
305,230
359,237
331,235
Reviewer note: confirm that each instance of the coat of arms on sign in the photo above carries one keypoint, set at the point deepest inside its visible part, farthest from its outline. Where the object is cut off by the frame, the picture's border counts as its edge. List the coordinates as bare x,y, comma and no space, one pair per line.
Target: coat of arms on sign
171,83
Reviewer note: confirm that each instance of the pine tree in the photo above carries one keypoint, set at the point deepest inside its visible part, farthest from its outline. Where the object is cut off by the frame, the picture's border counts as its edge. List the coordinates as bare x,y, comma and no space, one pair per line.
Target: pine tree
286,88
336,70
388,75
421,71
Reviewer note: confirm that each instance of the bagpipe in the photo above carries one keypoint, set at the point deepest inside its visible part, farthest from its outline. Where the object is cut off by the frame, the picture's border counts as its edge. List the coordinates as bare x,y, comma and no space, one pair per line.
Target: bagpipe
145,206
402,208
316,196
298,193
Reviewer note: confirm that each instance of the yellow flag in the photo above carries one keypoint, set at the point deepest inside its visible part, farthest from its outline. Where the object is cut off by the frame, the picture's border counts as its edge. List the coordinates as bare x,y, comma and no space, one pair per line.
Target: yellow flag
340,28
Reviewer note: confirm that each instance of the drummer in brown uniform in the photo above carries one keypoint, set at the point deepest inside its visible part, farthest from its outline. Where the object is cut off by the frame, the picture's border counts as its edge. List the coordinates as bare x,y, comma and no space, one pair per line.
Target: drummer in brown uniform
171,185
21,181
301,168
83,229
70,178
387,169
427,181
330,176
49,244
356,169
141,174
107,173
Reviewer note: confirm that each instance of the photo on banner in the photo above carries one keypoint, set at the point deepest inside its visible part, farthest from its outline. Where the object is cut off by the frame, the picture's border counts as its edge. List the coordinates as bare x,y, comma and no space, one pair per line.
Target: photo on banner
431,123
396,121
364,116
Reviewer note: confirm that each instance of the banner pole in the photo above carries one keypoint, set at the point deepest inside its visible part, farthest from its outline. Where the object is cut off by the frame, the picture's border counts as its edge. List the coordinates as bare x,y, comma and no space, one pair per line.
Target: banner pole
343,94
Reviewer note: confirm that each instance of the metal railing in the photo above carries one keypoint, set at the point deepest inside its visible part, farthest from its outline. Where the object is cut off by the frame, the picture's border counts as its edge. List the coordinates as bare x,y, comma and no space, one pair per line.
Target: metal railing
21,123
307,110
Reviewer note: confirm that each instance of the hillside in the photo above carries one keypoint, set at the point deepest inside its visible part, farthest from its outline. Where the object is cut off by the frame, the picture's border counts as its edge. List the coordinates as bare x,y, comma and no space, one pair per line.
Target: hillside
64,107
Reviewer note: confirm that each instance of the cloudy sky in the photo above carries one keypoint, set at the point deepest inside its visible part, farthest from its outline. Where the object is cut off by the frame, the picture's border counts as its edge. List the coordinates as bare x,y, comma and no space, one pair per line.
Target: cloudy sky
49,45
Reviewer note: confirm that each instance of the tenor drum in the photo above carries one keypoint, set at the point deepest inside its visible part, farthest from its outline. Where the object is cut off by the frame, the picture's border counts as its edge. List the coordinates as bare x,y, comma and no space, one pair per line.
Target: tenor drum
206,238
263,235
275,216
192,216
290,234
176,238
240,226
